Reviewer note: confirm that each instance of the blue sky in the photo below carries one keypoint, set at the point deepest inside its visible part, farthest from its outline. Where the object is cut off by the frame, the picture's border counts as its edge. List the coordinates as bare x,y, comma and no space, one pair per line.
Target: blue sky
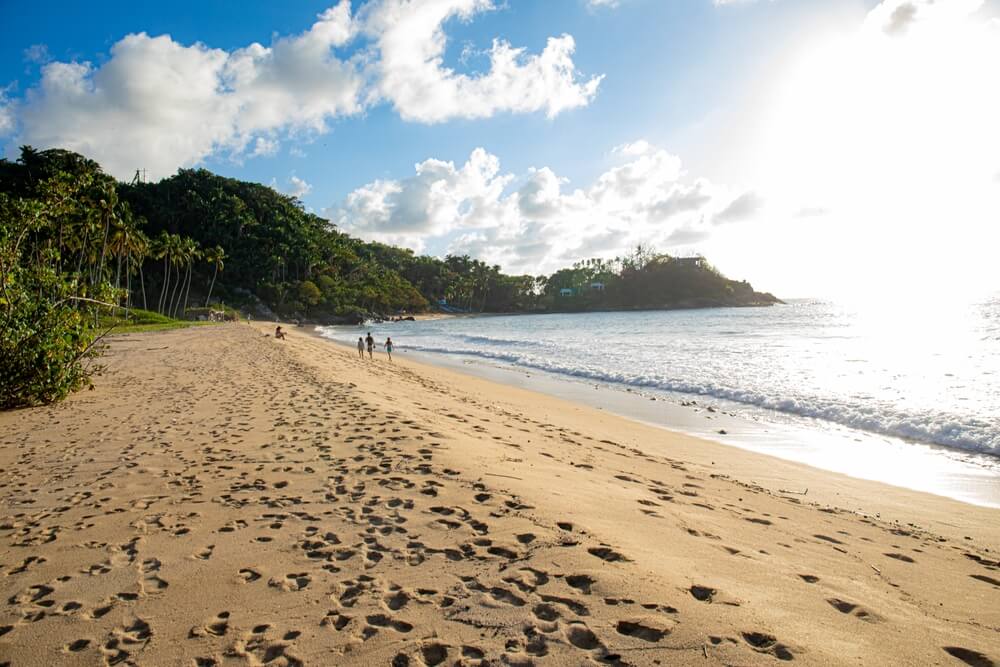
661,122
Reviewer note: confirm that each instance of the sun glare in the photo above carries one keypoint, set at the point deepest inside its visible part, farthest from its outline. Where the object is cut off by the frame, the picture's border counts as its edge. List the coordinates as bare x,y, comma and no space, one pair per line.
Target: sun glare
893,141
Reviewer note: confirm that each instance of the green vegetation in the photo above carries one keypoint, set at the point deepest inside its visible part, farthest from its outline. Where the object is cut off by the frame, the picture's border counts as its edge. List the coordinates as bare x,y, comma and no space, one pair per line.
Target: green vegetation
646,280
56,215
116,322
82,255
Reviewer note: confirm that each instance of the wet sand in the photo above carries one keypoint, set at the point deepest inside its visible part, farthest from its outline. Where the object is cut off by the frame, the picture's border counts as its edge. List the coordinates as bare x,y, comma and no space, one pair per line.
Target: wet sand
221,497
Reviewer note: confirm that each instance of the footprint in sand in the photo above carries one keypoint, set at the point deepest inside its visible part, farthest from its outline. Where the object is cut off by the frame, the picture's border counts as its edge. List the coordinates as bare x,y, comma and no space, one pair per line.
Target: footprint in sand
581,582
385,621
77,645
248,575
397,600
607,554
151,582
765,643
845,607
647,629
335,619
291,582
968,656
702,593
433,654
217,627
900,557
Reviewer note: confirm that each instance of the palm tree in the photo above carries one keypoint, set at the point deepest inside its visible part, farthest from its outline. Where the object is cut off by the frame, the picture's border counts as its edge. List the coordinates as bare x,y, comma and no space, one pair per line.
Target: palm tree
141,248
162,249
177,260
191,253
107,207
217,257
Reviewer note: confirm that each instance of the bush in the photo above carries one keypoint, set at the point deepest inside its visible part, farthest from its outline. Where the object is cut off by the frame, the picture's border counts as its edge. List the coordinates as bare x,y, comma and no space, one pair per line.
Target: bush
44,337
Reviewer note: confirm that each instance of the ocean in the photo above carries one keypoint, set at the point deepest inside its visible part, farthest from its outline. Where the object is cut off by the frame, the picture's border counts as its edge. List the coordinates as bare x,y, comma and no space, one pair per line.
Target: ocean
916,375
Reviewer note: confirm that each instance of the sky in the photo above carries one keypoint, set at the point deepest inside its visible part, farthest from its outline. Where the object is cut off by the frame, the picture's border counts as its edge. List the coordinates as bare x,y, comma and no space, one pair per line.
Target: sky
839,148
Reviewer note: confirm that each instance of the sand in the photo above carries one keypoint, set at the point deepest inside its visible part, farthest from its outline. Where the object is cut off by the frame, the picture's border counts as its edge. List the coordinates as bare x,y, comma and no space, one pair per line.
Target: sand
221,497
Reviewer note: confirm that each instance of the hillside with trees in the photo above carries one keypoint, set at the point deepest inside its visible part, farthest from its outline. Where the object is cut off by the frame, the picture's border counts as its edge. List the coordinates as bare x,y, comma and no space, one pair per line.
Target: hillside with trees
76,247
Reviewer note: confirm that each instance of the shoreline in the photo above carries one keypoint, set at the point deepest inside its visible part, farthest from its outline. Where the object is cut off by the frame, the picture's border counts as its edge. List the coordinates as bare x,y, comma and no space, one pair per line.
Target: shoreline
221,495
778,475
969,477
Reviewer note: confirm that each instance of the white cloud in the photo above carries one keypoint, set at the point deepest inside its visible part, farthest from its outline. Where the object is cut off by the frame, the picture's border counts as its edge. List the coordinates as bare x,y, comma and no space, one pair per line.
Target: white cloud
265,146
897,17
159,104
535,223
411,74
594,4
298,187
438,198
639,147
7,114
741,208
37,53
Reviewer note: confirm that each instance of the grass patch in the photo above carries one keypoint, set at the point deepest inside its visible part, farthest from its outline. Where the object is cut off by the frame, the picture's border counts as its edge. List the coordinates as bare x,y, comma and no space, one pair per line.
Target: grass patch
142,320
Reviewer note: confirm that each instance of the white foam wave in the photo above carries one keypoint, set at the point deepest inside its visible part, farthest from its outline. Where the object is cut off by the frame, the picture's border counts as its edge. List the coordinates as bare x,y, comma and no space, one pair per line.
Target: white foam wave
869,415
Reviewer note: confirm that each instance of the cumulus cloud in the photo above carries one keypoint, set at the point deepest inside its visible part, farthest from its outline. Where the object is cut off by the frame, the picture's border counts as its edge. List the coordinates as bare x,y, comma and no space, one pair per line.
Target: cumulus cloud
411,74
741,208
159,104
897,17
298,187
535,222
439,197
7,115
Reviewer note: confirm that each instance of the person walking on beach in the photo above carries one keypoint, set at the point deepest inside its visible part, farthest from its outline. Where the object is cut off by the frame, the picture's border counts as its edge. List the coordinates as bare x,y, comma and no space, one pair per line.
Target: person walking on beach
388,347
361,347
371,344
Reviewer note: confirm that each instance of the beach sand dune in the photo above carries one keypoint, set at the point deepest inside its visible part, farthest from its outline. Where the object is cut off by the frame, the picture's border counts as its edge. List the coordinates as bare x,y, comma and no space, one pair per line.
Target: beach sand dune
221,498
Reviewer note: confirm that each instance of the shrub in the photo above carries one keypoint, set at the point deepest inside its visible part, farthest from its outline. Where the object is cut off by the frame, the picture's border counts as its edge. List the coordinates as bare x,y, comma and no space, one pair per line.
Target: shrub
44,337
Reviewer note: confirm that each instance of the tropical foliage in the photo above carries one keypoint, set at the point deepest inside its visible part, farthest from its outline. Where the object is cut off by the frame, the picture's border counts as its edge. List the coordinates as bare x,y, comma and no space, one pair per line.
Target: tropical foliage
64,237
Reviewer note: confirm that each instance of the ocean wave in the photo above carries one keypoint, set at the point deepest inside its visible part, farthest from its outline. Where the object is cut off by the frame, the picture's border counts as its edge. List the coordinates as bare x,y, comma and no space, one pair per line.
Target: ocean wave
872,416
491,340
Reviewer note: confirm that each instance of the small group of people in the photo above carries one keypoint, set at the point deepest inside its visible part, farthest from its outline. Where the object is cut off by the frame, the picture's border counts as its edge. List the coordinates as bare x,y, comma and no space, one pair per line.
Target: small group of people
369,342
363,343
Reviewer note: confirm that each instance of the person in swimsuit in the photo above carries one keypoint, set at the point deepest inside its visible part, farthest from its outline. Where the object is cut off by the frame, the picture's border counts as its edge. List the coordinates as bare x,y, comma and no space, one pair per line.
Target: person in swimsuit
278,333
388,347
371,344
361,347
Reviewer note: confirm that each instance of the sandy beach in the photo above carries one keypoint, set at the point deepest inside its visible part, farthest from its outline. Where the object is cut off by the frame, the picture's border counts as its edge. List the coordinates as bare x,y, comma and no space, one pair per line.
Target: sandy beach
221,497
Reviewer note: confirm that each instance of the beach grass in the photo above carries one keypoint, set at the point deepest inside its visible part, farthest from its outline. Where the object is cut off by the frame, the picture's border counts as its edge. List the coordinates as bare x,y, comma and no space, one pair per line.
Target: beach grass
140,321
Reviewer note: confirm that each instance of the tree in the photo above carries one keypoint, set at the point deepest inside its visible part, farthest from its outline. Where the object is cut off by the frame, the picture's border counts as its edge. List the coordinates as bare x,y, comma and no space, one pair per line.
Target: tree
216,257
45,342
309,293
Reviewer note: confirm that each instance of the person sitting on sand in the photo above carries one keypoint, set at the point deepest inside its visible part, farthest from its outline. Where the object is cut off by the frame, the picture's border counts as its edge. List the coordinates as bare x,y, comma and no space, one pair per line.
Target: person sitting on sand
388,347
361,347
371,344
278,333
